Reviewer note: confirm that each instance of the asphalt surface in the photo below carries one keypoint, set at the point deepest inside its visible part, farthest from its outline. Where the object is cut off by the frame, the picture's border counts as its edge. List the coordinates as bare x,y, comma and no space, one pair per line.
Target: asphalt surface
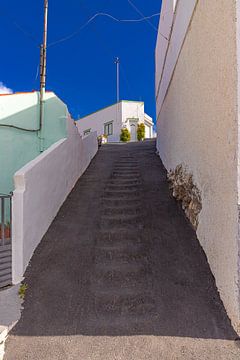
120,274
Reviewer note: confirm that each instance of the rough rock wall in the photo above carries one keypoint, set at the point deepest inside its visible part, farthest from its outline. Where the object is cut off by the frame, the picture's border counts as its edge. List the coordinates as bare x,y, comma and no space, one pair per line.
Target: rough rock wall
184,190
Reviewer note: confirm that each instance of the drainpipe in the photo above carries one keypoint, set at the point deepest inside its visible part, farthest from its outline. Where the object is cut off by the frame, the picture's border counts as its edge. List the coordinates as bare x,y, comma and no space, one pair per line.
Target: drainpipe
43,60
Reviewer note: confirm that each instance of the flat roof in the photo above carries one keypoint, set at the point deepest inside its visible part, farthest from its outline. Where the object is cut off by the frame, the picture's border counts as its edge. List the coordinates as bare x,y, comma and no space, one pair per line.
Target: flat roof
105,107
24,92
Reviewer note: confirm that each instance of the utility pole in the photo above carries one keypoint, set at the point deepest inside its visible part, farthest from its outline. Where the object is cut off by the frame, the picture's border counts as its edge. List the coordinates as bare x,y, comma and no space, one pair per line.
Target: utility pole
117,62
43,60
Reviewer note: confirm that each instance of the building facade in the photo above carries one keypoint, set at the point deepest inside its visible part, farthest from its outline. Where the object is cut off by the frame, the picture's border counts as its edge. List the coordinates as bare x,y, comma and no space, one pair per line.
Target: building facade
19,112
197,97
110,120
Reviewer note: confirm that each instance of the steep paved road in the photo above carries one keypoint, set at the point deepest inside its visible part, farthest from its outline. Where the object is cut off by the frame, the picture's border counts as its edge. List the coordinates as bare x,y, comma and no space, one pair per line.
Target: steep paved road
120,274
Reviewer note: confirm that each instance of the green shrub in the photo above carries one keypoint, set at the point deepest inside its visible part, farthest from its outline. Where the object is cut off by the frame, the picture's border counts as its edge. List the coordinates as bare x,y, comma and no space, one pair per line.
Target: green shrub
22,291
141,132
125,135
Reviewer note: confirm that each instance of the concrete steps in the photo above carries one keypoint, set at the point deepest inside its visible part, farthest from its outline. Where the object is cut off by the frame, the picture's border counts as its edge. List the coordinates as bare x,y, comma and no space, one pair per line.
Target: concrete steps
102,255
111,279
123,193
118,202
132,210
128,303
116,186
121,220
121,281
126,174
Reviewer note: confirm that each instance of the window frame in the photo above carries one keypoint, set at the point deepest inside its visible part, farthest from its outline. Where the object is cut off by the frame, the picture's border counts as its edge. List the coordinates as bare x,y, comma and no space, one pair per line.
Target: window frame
109,127
86,132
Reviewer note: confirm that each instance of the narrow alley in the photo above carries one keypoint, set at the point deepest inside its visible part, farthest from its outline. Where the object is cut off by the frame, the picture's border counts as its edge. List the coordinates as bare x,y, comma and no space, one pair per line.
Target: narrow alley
120,274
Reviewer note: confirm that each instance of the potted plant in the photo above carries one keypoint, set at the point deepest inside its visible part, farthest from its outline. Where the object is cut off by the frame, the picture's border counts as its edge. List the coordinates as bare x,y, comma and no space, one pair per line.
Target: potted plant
99,138
104,139
141,132
125,135
7,231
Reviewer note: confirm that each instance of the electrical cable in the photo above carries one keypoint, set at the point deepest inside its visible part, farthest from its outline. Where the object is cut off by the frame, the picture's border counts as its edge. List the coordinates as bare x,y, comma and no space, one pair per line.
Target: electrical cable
140,13
104,44
19,128
37,72
76,32
31,37
110,52
19,27
68,37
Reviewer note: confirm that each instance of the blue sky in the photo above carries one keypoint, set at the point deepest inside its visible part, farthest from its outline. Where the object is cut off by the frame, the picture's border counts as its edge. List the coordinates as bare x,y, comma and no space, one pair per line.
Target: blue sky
81,70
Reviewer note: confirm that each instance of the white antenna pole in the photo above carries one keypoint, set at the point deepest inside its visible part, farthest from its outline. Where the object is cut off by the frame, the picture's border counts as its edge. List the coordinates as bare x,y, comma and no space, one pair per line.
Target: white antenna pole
117,62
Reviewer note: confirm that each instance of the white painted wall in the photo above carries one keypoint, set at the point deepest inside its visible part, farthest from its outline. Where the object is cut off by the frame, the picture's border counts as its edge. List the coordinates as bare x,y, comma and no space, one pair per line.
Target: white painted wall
132,109
238,140
164,31
148,127
118,113
238,102
96,121
197,126
9,105
174,22
41,188
18,147
148,132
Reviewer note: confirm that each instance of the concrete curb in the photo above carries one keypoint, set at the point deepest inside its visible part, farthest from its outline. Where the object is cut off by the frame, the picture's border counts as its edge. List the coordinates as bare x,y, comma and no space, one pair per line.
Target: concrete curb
3,336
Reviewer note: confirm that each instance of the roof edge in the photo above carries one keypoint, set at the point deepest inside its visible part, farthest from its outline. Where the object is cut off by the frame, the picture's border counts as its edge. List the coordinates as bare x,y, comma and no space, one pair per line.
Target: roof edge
105,107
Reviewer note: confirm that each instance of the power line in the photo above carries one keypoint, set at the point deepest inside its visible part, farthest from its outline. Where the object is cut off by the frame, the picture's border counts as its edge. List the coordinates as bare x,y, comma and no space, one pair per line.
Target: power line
37,72
105,44
42,77
140,13
19,27
109,50
18,128
26,33
76,32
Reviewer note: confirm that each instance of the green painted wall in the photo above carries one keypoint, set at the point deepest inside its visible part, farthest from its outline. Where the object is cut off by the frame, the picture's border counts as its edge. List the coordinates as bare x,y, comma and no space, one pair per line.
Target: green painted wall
18,147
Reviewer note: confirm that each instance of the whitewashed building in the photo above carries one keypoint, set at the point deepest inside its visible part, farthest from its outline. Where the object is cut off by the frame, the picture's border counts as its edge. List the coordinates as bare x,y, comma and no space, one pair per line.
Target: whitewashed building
110,120
198,122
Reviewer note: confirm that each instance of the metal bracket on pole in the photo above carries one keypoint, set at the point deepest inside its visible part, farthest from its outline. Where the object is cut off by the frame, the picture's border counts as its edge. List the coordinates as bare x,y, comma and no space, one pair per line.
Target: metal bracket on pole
43,64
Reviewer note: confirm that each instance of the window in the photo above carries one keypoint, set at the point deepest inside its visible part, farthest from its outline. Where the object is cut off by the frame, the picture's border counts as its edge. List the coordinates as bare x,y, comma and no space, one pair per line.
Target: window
86,132
108,128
